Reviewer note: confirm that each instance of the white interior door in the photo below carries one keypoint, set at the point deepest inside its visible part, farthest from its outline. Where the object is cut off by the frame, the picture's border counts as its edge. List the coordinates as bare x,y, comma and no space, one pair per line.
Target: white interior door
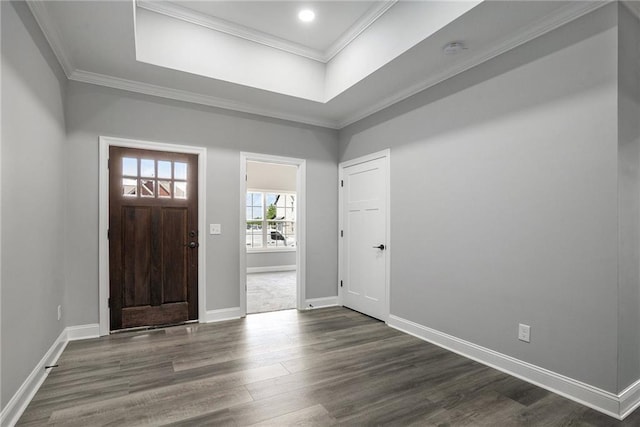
364,241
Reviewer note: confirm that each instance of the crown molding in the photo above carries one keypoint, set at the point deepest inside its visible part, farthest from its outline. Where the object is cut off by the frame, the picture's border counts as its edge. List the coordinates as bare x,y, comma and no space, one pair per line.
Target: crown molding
176,11
185,14
196,98
564,15
50,30
571,11
375,12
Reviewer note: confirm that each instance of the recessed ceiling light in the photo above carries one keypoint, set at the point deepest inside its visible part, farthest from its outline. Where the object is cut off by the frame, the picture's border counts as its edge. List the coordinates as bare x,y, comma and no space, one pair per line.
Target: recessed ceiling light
453,48
306,15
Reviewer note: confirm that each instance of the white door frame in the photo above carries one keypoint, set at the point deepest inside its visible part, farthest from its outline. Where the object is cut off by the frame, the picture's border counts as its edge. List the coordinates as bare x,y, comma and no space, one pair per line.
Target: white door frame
301,175
384,154
103,219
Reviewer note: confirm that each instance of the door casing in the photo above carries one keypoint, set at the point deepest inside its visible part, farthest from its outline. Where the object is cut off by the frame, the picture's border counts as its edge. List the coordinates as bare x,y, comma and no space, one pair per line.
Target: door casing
300,223
386,155
103,219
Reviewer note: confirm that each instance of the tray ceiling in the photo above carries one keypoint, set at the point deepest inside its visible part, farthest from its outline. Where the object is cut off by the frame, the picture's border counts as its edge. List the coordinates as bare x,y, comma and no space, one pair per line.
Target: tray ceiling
353,60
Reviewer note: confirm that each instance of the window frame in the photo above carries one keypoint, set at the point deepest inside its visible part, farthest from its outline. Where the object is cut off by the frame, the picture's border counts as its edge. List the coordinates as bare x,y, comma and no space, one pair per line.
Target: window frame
264,220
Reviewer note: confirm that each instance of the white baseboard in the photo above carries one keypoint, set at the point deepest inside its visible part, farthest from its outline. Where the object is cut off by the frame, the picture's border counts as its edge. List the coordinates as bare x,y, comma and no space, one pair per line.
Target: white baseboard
271,269
222,314
313,303
13,410
615,405
629,399
83,332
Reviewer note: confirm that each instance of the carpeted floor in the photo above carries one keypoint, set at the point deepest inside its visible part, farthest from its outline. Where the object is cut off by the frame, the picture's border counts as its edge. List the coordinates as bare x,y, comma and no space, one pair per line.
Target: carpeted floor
271,291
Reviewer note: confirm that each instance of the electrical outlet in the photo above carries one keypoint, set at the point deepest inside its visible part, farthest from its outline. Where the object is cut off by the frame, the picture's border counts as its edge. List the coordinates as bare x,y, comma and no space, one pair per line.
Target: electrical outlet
215,229
524,332
59,312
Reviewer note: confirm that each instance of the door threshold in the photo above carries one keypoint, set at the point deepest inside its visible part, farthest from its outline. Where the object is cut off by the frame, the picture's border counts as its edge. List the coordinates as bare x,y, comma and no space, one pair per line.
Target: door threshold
152,327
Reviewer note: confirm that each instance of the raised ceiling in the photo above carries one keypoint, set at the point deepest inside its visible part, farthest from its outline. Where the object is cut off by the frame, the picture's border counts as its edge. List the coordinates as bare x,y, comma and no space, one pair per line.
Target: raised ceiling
356,58
334,24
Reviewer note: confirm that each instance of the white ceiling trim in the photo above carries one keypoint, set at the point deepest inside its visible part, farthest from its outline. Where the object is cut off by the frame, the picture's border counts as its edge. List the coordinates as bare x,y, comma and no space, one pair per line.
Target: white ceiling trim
41,14
38,7
186,96
185,14
562,16
39,11
375,12
176,11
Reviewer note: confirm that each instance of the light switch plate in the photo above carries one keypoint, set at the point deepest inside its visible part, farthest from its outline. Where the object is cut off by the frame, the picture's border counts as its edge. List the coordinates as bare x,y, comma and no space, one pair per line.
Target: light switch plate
215,229
524,332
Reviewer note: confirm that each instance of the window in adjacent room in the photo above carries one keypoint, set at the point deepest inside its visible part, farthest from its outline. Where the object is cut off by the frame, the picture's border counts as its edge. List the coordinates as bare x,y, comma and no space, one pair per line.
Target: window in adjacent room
271,220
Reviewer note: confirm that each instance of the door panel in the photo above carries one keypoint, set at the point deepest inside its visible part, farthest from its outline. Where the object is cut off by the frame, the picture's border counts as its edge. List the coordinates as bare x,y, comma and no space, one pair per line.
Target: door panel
175,239
153,243
136,255
364,212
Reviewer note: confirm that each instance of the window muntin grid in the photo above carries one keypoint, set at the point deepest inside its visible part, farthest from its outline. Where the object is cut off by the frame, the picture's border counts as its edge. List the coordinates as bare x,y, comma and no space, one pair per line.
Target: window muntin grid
150,178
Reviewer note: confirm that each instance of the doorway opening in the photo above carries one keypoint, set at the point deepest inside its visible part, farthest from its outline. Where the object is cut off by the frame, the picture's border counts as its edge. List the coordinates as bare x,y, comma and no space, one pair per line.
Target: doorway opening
272,227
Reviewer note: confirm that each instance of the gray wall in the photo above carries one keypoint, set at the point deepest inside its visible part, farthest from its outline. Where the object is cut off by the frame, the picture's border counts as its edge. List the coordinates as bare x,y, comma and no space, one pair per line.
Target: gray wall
504,201
93,111
270,259
33,194
629,194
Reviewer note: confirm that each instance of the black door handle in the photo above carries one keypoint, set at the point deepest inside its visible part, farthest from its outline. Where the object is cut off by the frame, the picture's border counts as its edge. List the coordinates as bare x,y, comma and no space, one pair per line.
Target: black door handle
193,245
381,247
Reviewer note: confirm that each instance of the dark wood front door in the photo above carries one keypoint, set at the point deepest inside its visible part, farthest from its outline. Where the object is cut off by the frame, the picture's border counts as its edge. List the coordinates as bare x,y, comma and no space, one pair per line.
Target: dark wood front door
153,237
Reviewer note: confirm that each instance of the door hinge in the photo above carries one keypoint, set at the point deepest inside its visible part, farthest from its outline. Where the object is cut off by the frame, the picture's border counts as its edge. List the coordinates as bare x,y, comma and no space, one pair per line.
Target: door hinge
340,283
108,163
109,302
108,234
245,178
341,183
341,233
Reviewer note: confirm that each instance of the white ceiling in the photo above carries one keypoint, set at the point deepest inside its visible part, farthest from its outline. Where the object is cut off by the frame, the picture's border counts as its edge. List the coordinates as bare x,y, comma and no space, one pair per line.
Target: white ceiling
279,18
275,23
255,57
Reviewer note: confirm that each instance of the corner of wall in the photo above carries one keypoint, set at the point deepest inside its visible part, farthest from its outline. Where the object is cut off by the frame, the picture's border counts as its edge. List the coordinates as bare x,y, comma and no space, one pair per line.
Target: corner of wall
14,409
628,56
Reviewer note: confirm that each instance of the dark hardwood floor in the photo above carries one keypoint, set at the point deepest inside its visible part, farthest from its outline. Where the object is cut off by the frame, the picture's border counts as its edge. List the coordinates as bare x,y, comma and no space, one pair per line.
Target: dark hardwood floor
322,367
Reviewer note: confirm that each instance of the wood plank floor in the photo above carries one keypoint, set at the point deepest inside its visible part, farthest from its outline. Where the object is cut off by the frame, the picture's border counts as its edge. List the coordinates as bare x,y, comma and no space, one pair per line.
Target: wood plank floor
324,367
